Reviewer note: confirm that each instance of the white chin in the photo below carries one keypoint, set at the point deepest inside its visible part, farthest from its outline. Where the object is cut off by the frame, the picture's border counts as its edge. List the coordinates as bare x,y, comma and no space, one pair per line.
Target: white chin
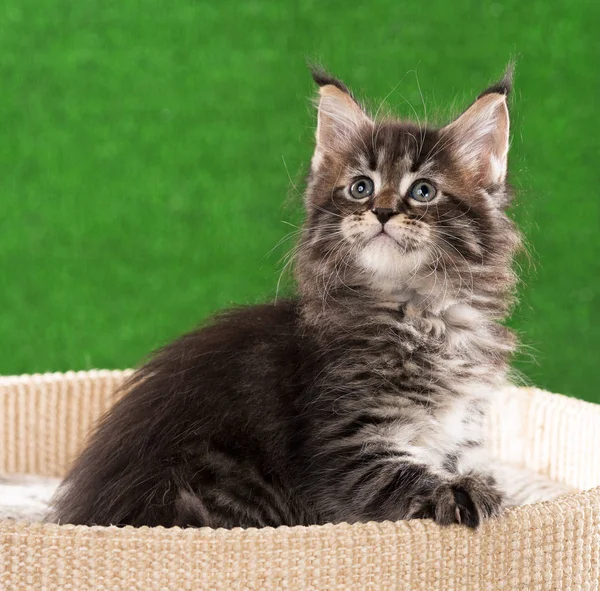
384,257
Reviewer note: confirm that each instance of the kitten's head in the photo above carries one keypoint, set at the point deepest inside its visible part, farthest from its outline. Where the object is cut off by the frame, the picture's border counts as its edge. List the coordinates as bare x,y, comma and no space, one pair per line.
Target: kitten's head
404,210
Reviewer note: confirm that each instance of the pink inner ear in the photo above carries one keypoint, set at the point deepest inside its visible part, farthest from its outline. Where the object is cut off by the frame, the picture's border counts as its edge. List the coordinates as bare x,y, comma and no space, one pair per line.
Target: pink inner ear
500,145
481,136
339,117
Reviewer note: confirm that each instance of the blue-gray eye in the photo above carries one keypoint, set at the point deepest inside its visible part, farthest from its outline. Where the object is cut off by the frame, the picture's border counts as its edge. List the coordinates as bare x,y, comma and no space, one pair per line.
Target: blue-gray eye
362,188
422,191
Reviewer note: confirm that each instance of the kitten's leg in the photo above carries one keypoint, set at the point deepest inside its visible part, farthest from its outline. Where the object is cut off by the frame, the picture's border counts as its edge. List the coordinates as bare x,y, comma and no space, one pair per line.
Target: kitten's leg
523,487
381,485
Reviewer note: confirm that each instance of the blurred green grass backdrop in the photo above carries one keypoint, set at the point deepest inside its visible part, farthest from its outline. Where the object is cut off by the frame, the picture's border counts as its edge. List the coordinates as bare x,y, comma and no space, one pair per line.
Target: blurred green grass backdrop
145,151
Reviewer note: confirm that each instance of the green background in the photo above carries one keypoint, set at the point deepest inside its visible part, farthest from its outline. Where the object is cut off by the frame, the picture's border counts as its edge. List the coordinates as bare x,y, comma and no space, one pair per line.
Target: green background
148,149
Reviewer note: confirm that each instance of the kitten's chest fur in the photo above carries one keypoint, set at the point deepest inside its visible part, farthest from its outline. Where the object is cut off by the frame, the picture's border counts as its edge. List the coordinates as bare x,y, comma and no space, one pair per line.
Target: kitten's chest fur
463,353
457,349
432,375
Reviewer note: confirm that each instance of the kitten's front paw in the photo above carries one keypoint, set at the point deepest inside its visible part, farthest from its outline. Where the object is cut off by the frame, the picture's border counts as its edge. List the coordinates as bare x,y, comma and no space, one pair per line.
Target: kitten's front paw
467,500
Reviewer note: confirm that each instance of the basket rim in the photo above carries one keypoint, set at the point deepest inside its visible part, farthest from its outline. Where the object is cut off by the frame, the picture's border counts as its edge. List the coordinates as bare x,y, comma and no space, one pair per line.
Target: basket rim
589,499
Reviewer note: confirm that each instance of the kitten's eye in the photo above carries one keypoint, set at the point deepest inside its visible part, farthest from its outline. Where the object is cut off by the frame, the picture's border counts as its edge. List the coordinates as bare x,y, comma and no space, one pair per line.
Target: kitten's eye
362,188
422,191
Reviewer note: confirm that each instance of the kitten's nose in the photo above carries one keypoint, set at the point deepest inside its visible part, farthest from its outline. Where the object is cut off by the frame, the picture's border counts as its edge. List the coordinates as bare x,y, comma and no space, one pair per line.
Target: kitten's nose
383,214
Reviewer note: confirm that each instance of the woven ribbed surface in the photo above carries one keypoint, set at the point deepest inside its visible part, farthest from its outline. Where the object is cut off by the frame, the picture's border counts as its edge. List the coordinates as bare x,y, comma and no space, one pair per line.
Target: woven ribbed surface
554,545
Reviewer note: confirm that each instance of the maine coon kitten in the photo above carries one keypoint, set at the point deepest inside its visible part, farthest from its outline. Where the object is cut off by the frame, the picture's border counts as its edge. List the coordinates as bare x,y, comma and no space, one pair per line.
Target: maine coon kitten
364,397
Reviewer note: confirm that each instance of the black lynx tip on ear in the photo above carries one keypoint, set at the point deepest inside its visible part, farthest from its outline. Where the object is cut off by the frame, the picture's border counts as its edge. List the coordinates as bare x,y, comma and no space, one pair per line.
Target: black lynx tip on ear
504,85
323,78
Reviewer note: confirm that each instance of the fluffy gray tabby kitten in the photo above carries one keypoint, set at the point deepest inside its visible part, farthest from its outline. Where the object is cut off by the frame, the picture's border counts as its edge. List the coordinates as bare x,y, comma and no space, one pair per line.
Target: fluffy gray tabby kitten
364,397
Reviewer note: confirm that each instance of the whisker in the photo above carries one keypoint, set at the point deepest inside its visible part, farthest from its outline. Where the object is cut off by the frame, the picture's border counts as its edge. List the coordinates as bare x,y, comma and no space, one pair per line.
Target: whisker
289,177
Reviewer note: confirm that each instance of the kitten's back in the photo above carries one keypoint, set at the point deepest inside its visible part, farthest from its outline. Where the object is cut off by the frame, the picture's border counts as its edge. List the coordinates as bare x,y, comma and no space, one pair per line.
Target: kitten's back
209,408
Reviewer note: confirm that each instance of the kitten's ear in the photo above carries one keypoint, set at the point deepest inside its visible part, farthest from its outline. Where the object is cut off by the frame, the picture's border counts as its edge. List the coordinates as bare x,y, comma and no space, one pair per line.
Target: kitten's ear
339,116
480,136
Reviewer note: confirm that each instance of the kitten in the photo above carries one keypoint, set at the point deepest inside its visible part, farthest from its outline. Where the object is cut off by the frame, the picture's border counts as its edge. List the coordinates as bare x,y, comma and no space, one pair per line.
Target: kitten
363,398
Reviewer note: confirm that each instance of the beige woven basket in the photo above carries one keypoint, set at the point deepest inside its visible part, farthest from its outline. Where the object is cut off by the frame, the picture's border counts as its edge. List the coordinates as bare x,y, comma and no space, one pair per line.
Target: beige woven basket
553,545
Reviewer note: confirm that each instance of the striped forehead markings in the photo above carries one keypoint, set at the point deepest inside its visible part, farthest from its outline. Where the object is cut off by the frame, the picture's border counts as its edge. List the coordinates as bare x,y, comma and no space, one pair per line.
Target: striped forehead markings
407,180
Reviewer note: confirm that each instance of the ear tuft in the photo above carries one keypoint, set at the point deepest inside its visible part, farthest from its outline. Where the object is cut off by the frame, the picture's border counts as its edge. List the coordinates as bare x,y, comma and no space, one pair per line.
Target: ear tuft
323,78
504,85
